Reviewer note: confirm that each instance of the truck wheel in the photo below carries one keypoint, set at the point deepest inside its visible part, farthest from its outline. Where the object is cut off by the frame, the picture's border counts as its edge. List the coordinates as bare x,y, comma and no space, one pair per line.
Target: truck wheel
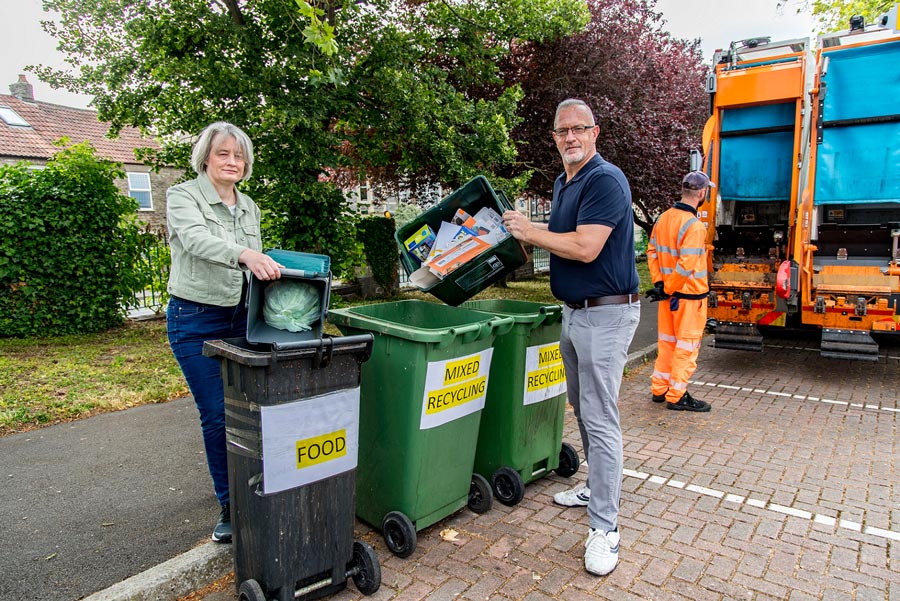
508,486
399,534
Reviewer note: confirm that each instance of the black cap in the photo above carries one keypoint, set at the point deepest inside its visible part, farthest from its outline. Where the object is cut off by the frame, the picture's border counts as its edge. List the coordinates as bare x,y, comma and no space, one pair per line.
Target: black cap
696,180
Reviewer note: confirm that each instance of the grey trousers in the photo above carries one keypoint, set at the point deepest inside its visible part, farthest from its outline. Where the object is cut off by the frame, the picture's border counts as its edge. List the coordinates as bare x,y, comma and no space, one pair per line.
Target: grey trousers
594,346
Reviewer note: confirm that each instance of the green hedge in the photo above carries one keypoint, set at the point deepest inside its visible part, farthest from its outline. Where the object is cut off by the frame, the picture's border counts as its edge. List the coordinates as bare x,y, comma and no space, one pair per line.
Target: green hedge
67,246
377,237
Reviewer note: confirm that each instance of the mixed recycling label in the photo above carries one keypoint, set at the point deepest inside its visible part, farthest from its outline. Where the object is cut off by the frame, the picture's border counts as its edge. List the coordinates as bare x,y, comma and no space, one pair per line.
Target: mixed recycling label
545,376
455,388
309,440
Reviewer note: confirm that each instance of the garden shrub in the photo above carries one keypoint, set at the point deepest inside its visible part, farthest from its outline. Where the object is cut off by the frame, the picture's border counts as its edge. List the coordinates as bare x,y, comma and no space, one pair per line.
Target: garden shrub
68,241
377,237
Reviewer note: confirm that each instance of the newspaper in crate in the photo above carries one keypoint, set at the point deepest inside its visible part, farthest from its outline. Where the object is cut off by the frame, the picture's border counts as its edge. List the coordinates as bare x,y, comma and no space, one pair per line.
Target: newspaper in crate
457,256
490,220
448,235
462,218
420,243
454,245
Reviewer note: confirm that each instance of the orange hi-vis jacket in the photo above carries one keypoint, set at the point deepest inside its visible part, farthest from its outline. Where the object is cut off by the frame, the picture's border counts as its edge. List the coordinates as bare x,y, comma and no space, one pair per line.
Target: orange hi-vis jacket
676,253
676,256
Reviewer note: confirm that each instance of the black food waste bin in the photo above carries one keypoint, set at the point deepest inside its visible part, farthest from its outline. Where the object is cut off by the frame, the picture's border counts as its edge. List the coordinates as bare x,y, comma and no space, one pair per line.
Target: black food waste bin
292,423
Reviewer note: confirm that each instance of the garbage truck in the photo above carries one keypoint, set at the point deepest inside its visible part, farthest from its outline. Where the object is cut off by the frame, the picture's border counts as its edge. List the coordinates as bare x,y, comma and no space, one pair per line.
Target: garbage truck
804,221
845,249
753,148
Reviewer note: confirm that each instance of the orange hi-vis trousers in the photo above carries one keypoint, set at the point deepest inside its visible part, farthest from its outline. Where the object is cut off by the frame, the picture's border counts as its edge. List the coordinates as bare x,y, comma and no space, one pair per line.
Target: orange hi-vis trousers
680,333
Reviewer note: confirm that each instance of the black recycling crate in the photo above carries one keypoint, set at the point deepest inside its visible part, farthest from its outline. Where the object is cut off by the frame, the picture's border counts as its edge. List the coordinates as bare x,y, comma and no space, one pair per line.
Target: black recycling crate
482,271
292,421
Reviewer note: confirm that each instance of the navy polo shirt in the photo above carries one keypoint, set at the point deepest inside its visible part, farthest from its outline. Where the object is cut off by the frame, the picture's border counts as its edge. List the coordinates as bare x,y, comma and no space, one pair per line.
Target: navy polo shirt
598,194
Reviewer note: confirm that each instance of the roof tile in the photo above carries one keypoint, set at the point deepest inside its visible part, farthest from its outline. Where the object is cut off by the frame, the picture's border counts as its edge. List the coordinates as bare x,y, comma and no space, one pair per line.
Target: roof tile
50,122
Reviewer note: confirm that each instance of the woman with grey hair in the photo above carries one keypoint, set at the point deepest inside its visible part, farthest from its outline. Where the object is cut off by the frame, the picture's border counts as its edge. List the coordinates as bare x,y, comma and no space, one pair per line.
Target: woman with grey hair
214,239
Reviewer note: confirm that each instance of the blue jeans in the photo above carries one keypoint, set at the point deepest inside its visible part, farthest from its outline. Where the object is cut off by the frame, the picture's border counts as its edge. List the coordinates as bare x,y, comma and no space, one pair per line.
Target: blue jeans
189,325
594,346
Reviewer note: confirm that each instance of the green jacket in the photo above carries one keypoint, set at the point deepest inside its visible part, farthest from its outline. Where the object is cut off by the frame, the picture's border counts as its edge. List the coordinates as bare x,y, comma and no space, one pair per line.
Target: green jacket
206,241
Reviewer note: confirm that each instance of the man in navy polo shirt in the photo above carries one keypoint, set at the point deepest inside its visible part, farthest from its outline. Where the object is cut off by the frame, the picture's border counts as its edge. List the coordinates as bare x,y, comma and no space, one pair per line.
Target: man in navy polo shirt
591,242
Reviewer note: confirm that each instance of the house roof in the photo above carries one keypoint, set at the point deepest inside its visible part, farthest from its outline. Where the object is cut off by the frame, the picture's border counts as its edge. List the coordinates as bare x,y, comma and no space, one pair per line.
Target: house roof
49,122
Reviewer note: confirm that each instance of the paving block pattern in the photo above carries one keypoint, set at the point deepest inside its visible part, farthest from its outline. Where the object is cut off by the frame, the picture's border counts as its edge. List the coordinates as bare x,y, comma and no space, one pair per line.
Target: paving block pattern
788,489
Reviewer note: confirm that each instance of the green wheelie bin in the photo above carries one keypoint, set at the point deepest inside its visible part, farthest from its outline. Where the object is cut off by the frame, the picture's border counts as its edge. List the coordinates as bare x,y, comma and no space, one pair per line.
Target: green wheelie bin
421,397
520,438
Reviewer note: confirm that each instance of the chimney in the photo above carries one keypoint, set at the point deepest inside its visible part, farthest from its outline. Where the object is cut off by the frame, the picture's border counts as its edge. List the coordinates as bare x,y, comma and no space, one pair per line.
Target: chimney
22,89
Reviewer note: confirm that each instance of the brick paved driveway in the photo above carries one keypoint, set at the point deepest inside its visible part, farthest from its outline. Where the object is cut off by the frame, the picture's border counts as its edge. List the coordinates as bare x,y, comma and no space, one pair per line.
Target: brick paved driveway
787,490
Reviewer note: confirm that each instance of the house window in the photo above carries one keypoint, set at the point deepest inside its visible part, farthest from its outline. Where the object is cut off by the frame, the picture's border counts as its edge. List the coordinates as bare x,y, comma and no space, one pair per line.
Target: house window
11,117
139,189
364,203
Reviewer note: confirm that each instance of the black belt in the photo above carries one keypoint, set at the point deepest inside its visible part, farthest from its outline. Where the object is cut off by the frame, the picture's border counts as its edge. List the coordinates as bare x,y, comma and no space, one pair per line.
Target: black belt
599,301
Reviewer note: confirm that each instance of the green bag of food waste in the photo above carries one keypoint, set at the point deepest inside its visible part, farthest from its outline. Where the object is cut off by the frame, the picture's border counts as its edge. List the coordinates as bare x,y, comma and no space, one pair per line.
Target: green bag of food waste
291,305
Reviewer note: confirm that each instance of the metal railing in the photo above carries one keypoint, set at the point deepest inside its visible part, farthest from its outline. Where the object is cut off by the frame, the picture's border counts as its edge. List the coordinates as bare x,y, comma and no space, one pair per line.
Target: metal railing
541,260
152,267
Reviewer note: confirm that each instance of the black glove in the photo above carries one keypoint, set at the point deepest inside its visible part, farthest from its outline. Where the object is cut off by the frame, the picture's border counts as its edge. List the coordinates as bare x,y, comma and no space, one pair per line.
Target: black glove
657,293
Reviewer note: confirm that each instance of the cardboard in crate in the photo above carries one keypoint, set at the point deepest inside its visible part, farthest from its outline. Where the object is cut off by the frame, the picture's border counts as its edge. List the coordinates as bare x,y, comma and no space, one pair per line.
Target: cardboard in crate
488,266
310,268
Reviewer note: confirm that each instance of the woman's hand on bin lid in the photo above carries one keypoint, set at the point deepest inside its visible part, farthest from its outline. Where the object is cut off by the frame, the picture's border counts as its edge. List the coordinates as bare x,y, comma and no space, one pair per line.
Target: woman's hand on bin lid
262,266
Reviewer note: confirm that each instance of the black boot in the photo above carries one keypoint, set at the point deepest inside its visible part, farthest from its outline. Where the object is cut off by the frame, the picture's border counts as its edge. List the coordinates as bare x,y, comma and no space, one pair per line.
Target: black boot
689,403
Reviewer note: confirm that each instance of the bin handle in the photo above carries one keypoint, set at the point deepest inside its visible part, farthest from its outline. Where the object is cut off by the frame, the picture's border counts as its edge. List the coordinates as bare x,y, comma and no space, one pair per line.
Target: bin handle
315,343
303,273
496,326
466,333
550,314
502,325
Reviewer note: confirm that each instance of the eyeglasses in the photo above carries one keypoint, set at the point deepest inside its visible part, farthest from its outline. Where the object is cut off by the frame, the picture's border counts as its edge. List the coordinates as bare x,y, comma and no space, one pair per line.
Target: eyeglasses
562,132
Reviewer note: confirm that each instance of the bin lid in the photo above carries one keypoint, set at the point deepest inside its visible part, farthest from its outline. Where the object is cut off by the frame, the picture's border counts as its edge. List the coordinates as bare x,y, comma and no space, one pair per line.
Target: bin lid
525,312
312,265
421,321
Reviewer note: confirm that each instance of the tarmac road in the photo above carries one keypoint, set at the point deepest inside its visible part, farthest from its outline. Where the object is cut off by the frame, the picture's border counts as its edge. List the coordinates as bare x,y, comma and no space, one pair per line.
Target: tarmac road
89,503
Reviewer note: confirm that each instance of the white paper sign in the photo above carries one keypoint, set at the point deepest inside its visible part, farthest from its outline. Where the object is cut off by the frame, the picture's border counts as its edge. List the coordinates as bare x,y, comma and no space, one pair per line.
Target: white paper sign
455,388
545,376
309,440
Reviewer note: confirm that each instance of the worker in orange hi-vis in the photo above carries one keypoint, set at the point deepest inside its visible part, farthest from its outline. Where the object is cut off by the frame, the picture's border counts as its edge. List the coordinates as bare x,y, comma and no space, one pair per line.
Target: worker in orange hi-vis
676,256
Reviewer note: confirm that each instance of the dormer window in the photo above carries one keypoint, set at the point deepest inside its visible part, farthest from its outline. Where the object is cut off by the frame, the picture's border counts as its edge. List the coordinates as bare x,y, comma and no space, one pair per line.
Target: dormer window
11,117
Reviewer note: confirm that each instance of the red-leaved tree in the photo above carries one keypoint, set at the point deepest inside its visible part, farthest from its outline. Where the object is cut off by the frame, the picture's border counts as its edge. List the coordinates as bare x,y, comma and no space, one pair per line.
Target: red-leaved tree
645,87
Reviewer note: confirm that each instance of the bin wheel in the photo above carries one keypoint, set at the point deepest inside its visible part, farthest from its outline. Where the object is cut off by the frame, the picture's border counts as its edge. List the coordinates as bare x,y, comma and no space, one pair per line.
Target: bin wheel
368,571
399,534
568,461
508,486
250,590
480,499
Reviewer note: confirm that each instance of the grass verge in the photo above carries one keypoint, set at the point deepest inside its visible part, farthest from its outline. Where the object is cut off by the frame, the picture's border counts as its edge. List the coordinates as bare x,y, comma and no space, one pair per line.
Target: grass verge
48,380
44,381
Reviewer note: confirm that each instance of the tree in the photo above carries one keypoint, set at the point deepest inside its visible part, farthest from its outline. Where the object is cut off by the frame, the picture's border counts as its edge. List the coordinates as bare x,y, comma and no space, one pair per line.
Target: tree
391,93
834,15
646,90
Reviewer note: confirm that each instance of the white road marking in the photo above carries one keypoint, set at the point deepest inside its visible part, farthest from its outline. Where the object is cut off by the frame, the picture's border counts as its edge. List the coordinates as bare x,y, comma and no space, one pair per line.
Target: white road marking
825,520
799,397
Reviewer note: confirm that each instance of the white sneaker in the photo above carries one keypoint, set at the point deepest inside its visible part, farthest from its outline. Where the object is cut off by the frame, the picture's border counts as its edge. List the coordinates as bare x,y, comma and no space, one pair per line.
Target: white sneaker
574,497
601,552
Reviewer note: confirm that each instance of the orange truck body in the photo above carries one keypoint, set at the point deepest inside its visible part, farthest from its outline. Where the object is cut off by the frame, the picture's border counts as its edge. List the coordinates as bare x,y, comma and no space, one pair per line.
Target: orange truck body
804,221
